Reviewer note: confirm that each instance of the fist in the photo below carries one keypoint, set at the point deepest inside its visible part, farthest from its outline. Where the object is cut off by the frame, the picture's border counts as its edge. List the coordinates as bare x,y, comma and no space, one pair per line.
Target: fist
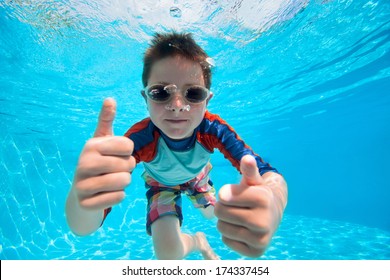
105,164
246,212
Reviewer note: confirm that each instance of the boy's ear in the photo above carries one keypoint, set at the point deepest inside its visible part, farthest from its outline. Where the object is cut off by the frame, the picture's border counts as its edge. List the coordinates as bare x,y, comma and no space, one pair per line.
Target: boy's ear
208,99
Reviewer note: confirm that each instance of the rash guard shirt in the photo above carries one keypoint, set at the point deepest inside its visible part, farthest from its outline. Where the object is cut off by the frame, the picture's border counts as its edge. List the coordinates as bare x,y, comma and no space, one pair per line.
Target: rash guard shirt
174,162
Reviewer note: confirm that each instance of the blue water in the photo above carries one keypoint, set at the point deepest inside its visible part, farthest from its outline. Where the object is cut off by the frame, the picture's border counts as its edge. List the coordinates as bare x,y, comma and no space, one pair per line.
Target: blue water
305,83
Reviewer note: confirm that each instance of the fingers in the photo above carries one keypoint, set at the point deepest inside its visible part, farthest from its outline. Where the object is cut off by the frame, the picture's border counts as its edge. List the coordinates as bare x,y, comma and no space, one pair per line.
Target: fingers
240,238
243,248
104,183
250,172
102,200
256,221
250,197
111,146
257,240
106,118
90,166
97,191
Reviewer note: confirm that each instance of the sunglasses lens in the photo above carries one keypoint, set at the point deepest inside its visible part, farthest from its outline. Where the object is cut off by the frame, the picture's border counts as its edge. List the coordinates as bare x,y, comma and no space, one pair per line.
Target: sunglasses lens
196,94
158,93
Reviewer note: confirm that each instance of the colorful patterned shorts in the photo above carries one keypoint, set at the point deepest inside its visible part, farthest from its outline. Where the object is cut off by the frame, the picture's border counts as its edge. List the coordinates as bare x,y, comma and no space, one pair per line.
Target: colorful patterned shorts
166,200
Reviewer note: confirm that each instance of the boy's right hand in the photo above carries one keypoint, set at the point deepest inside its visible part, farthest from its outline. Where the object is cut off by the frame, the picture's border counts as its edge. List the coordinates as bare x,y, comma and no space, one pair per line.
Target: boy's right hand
105,164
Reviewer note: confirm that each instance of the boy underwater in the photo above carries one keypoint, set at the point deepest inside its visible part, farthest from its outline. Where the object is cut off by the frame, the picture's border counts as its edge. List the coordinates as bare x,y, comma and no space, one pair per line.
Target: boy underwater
175,144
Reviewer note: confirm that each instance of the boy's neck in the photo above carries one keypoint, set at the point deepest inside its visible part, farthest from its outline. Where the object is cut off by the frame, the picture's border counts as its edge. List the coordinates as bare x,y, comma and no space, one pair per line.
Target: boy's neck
179,144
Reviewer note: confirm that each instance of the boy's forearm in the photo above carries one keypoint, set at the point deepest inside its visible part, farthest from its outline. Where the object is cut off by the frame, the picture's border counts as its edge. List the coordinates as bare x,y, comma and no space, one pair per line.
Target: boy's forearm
81,221
278,186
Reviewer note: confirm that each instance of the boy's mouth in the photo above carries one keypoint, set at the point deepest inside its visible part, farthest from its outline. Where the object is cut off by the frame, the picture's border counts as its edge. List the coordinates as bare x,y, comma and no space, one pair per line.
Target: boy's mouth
176,120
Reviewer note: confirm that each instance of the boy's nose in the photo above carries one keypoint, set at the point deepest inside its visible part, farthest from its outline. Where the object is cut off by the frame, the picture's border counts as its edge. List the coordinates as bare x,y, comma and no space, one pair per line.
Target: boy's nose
178,100
178,103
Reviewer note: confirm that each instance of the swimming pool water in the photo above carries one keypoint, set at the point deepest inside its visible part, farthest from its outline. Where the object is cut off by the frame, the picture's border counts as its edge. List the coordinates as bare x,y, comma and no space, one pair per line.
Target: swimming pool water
306,84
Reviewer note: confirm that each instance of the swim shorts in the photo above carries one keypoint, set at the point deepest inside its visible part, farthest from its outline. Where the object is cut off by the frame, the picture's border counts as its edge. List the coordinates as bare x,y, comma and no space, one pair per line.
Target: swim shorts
166,200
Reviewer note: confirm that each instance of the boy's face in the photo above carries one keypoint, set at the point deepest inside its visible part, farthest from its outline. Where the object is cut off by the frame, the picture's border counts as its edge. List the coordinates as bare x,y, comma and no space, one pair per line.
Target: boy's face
176,123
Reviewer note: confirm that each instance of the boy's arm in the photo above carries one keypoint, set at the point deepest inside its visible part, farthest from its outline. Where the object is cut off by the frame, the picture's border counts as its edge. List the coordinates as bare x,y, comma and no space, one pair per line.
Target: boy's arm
217,133
82,221
249,213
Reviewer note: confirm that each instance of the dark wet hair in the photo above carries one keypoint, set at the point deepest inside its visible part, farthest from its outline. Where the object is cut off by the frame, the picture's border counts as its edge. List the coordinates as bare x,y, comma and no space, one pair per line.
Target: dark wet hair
175,44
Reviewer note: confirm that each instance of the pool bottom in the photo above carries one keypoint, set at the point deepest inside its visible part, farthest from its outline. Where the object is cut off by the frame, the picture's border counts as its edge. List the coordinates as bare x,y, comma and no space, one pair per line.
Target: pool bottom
298,238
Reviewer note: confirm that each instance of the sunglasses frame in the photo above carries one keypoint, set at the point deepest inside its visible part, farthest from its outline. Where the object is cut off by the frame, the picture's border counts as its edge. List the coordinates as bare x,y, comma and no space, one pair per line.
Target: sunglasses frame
170,91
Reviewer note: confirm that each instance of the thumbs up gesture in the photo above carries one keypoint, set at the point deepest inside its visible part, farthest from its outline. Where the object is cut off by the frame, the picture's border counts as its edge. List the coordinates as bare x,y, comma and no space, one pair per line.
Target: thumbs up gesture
249,212
105,164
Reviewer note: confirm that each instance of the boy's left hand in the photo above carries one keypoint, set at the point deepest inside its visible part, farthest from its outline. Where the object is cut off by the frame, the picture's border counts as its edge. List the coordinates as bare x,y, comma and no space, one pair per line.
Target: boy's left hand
248,215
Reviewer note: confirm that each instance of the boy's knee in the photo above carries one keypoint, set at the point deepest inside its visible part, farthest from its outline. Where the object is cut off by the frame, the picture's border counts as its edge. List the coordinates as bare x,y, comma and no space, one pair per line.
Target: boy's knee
169,254
168,248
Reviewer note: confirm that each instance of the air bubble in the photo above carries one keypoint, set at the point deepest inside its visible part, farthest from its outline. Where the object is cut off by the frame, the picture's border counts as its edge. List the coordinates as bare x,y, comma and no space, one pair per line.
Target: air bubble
210,61
175,12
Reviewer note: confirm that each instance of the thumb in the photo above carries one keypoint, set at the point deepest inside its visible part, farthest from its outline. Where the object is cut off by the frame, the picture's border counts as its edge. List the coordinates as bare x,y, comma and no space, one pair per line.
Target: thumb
106,117
250,172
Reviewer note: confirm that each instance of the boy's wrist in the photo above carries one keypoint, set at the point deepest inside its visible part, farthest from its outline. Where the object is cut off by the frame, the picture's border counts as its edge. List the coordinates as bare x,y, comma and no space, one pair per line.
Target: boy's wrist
278,186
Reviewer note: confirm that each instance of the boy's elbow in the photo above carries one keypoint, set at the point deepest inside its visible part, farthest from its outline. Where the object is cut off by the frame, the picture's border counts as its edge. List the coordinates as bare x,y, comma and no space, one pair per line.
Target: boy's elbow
80,228
81,232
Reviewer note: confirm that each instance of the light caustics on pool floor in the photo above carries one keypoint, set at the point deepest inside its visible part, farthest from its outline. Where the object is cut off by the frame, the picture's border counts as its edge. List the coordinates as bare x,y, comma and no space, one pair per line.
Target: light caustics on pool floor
32,207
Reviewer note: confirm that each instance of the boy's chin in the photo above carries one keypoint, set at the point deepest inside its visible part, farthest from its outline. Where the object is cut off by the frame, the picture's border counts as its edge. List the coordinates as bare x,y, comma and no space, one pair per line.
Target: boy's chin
178,135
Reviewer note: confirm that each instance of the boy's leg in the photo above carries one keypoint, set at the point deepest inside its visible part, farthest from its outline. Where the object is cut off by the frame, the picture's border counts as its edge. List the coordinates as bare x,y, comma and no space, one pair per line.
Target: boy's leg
170,243
202,195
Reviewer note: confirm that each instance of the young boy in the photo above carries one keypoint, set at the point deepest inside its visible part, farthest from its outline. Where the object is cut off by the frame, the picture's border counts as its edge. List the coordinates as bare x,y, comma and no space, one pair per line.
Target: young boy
175,144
